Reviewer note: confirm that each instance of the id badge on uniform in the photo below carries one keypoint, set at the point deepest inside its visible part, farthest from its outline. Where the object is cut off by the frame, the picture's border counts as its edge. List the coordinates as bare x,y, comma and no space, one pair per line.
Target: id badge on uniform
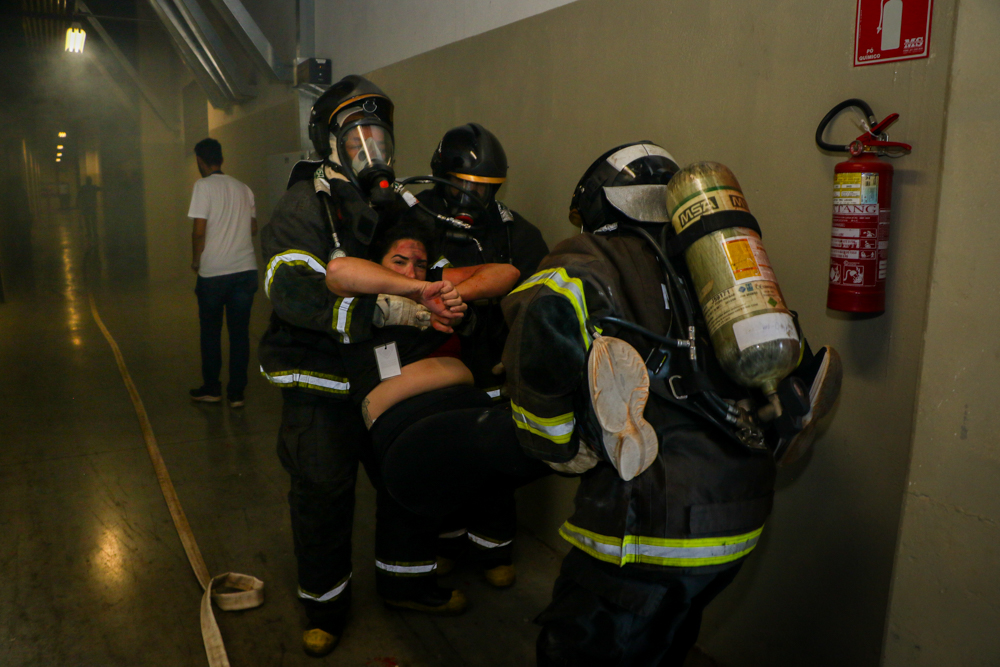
387,357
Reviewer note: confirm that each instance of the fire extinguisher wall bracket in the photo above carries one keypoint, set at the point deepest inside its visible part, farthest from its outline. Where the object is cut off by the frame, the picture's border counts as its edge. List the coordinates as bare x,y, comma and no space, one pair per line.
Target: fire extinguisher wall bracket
862,203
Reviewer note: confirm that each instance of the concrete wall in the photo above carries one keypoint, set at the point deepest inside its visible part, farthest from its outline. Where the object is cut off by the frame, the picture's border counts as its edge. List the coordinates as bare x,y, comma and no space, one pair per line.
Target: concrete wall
946,583
360,37
743,83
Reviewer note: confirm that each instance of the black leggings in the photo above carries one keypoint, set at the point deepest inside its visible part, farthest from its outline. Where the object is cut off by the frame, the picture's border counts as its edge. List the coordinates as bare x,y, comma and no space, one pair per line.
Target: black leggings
445,448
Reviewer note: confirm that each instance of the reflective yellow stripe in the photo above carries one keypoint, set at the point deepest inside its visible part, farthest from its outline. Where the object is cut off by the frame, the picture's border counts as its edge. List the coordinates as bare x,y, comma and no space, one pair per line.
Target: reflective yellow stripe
291,258
559,281
661,551
342,311
557,429
311,380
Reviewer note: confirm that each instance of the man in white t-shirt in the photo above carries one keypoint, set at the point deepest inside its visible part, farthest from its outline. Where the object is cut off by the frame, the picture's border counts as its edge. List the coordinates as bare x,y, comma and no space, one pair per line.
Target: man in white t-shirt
225,221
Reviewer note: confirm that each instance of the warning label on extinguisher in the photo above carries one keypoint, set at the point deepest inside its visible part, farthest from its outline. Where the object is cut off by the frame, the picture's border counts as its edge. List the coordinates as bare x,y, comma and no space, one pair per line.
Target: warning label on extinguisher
891,30
860,239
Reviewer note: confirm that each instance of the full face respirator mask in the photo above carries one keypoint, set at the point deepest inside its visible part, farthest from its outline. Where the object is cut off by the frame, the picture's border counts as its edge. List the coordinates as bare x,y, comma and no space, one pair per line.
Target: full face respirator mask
364,151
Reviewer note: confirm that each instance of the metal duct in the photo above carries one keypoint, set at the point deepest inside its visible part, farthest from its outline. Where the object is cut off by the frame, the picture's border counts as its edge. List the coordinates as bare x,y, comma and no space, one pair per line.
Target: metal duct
253,41
204,51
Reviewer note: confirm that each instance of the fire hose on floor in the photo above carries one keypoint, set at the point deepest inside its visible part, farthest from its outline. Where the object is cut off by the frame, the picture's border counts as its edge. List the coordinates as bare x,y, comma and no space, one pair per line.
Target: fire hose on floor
249,591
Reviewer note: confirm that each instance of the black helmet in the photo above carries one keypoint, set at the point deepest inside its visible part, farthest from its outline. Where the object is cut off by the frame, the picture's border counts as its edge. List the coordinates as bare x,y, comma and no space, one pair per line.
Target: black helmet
358,116
470,152
626,182
352,88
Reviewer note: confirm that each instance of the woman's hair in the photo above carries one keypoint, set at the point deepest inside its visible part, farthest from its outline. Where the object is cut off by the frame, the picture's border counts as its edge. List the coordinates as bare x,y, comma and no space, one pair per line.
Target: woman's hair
409,225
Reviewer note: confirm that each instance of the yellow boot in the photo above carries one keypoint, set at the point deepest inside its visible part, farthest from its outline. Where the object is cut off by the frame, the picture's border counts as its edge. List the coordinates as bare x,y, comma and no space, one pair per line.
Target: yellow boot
318,643
501,576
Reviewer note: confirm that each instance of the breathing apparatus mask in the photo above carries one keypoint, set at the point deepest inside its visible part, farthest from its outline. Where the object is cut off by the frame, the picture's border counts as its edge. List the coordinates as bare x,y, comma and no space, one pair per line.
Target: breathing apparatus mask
362,150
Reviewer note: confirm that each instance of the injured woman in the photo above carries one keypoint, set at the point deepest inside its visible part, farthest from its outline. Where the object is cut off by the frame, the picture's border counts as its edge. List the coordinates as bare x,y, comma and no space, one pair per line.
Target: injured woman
439,441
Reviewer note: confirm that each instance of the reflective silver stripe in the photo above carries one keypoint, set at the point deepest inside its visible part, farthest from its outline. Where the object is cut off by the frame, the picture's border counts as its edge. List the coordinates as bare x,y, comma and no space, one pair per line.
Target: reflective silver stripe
406,569
557,429
329,595
486,543
621,158
294,258
453,534
299,378
493,393
559,282
658,551
344,317
442,263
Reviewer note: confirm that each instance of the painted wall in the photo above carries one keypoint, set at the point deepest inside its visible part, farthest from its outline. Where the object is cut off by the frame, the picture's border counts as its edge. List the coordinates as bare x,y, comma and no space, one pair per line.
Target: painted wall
164,170
947,583
360,37
745,84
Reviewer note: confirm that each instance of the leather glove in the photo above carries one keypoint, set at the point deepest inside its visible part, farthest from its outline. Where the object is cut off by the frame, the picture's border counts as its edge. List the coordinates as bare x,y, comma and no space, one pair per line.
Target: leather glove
399,311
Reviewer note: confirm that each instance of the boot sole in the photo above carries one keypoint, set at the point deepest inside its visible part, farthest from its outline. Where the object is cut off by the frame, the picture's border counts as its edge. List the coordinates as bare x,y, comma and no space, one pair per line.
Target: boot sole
619,390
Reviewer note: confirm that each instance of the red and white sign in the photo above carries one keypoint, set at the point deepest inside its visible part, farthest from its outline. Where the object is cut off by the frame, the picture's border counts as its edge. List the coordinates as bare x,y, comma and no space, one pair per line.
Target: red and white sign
891,30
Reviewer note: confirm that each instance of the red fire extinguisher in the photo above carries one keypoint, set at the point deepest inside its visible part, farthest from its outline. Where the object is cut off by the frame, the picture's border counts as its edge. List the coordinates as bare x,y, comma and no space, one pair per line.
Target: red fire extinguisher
862,201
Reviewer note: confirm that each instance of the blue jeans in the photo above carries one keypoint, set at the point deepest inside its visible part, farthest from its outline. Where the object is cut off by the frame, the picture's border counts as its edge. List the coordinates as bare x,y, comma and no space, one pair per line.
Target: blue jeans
233,293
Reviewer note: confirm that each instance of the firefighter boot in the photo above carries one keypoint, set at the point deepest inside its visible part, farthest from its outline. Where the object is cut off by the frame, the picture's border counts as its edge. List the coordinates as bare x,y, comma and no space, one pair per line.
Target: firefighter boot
318,642
438,601
501,576
822,373
619,389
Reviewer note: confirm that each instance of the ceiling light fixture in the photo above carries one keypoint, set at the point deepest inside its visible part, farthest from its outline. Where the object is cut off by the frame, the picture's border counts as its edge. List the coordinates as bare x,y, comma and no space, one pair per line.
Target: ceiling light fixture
76,36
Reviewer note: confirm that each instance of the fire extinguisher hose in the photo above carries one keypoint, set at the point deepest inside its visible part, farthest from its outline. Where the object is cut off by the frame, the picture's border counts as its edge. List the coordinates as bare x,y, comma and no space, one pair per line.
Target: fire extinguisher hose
853,102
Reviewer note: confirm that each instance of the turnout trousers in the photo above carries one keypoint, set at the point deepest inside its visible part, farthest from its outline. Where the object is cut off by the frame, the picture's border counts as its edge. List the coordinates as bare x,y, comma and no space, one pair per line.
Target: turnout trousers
611,616
320,444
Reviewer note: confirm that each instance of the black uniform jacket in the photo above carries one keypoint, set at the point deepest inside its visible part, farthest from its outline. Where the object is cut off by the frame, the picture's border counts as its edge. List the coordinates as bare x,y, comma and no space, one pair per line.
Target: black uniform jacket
703,502
301,347
506,237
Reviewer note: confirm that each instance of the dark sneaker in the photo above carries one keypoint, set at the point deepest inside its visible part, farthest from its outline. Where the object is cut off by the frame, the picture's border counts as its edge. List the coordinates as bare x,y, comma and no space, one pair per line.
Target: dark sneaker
205,395
822,374
236,400
317,642
440,601
619,389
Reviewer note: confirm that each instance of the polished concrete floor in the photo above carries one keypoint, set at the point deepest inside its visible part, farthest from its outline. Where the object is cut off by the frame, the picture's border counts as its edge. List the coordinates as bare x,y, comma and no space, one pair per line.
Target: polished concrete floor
93,572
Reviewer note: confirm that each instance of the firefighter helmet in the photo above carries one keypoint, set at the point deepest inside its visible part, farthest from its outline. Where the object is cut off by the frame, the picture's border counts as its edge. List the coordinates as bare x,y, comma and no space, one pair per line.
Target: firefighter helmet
340,96
628,181
472,154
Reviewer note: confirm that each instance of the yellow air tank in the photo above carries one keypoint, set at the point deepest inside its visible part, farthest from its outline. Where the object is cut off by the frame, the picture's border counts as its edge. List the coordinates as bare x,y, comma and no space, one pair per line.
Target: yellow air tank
752,331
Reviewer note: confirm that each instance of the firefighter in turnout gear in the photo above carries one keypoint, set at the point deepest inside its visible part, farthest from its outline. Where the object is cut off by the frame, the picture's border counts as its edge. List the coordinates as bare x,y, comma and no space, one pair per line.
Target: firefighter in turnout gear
331,208
672,497
475,228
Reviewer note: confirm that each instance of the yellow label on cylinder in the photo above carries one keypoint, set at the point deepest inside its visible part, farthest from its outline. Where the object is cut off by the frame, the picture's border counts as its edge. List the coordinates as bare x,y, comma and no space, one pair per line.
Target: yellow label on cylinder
705,202
741,301
741,259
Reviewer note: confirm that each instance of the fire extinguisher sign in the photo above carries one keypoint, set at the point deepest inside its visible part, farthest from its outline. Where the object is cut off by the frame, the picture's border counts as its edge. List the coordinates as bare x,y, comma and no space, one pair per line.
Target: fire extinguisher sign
891,30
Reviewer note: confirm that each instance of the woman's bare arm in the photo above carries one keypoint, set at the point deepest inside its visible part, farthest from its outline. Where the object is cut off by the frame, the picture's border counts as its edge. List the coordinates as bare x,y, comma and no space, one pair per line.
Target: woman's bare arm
485,281
351,276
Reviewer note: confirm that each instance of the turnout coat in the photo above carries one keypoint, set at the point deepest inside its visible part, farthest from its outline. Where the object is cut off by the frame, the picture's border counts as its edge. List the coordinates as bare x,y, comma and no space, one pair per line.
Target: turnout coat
702,504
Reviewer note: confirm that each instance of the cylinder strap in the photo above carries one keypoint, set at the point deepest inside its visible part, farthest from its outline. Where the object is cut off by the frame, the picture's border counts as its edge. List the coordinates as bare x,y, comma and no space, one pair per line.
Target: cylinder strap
245,591
707,224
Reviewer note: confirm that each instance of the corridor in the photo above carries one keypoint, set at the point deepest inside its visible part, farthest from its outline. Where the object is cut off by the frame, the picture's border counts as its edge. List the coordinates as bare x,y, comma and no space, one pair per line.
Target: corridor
94,573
